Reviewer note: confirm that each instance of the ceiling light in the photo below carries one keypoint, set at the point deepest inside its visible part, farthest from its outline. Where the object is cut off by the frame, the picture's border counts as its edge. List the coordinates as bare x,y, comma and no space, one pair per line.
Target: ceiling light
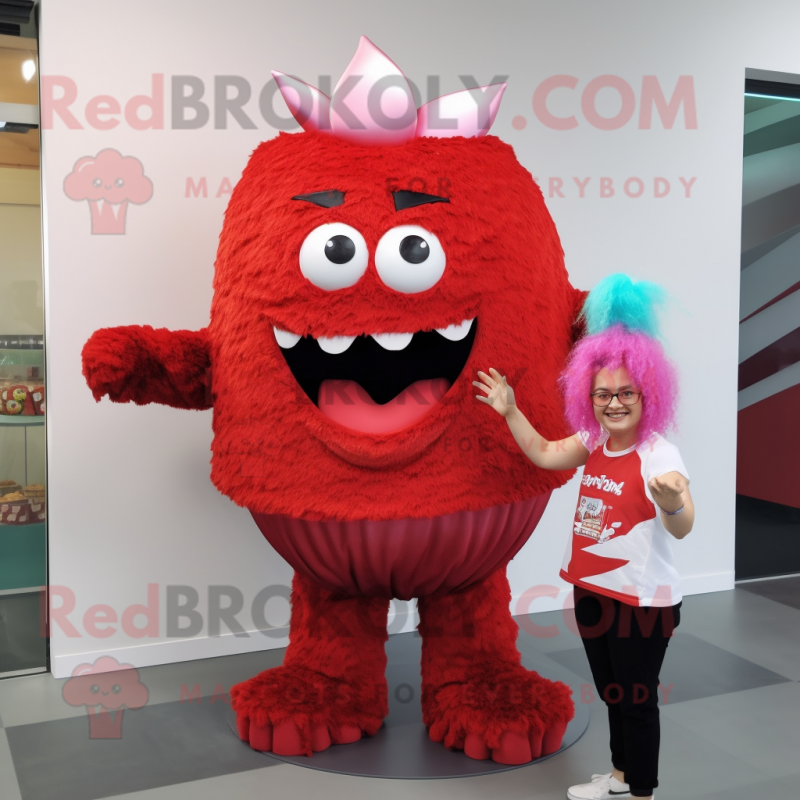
16,127
772,97
28,69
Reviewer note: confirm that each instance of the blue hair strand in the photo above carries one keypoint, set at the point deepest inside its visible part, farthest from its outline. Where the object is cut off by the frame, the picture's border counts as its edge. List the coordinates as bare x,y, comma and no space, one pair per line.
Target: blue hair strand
618,300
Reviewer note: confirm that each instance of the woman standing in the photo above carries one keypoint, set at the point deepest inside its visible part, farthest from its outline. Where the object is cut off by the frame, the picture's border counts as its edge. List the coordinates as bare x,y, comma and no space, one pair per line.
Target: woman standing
620,391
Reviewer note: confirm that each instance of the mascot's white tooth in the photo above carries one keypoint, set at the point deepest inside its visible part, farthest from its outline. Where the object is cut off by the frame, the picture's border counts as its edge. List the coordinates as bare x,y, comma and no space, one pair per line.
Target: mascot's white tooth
455,333
393,341
335,344
285,339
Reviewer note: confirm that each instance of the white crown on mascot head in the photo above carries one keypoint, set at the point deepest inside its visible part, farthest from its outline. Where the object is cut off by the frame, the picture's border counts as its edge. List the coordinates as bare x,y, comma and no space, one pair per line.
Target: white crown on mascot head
372,104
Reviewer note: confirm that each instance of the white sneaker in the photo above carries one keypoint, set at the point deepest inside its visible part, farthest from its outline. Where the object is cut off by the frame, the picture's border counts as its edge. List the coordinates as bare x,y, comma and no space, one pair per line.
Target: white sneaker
599,789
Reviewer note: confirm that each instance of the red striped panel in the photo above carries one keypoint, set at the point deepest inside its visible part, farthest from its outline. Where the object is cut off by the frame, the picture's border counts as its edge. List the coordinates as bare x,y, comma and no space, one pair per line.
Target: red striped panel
790,290
768,449
777,356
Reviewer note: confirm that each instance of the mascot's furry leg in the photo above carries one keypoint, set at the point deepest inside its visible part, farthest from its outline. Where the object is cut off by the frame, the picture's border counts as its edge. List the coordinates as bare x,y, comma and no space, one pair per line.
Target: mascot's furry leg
331,687
476,696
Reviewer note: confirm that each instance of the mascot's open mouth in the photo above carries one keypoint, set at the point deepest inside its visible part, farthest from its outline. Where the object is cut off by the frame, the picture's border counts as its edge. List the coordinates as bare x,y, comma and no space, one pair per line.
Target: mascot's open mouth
381,382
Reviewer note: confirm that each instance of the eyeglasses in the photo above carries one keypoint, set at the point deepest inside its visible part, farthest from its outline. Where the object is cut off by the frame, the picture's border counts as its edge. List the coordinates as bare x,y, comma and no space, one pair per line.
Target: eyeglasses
627,397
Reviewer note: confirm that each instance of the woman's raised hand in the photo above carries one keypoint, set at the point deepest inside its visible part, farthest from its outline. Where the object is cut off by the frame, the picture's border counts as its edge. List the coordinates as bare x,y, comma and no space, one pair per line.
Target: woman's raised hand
667,491
499,395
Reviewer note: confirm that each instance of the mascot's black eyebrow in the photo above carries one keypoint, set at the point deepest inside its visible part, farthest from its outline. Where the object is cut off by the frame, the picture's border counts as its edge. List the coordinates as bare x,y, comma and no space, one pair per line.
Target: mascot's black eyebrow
405,199
329,199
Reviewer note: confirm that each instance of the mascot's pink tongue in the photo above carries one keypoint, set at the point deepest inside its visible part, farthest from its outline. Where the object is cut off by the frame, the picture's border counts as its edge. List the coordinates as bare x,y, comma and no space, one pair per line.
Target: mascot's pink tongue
347,403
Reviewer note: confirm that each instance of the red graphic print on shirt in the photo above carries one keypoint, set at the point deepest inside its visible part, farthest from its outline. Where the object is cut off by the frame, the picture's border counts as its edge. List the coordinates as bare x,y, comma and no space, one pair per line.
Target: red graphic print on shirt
612,501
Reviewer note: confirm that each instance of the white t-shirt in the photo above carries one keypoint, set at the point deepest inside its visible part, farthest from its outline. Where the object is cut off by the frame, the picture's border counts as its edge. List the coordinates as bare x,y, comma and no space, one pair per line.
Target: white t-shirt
619,547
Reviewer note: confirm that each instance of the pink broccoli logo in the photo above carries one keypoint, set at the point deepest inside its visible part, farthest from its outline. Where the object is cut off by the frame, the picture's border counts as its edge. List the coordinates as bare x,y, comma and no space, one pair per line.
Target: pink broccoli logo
109,181
110,685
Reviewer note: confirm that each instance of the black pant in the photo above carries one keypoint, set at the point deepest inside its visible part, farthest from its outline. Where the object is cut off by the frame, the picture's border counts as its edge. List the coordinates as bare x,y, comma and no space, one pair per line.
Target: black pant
625,646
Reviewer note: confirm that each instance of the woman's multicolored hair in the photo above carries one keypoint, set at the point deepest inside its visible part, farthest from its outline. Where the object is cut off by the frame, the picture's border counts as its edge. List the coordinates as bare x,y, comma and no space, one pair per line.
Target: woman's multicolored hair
621,329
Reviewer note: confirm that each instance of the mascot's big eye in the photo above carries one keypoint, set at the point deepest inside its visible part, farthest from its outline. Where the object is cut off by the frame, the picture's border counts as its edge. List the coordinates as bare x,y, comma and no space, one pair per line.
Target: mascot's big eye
340,249
409,259
333,256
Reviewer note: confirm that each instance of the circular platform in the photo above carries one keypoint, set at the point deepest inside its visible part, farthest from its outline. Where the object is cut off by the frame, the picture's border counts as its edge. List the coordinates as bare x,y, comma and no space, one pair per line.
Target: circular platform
401,748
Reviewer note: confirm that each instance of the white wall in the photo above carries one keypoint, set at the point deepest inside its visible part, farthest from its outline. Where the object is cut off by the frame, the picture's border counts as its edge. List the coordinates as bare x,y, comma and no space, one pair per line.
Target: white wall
130,498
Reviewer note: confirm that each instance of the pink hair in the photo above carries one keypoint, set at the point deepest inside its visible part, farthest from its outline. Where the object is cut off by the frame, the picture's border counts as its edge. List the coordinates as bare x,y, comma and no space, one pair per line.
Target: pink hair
651,370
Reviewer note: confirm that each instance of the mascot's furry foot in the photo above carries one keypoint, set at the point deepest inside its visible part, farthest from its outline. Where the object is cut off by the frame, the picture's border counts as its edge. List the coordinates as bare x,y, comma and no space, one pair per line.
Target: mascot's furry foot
476,696
293,711
502,712
331,688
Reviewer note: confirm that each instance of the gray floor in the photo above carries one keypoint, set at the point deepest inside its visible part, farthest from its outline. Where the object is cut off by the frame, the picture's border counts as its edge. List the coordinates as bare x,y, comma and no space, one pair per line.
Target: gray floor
730,723
785,590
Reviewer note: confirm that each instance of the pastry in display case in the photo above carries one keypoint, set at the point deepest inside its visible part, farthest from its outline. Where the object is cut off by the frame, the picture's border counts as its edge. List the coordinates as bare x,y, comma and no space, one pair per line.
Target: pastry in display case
23,506
22,376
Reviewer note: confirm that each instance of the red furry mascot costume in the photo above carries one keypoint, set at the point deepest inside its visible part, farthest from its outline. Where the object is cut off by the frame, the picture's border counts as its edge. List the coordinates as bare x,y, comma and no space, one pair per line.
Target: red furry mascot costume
366,269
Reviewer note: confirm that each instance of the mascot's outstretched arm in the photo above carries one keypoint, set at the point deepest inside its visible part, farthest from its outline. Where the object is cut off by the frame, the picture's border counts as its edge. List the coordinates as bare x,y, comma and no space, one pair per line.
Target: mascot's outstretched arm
141,364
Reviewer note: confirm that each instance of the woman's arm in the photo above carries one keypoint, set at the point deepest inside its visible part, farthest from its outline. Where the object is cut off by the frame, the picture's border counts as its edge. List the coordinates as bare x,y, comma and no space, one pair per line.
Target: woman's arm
671,492
566,453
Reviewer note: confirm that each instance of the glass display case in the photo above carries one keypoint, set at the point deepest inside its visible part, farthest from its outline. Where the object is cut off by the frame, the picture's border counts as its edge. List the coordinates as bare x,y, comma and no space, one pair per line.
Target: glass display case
23,525
23,505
